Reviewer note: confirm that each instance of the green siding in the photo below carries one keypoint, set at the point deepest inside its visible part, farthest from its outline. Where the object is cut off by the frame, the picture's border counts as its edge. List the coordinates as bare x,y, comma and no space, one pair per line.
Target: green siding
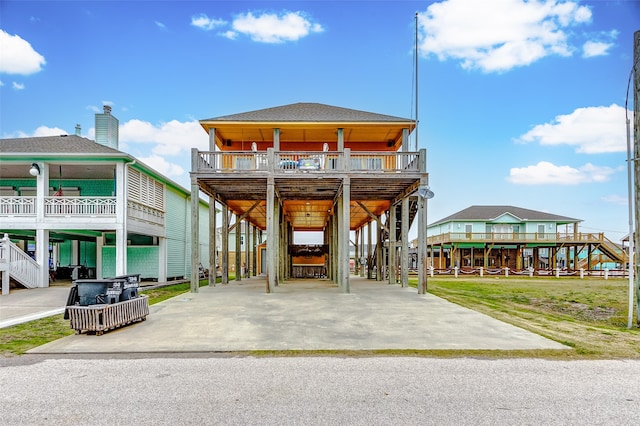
177,231
88,188
141,260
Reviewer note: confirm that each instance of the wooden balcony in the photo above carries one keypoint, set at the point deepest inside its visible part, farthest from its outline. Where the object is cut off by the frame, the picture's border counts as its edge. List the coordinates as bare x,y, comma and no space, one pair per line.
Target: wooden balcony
516,238
326,162
308,182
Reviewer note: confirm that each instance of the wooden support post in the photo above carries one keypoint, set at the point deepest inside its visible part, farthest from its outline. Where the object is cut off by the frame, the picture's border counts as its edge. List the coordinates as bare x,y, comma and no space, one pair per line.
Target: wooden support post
224,262
422,236
238,249
370,250
344,237
271,234
392,244
379,256
247,249
405,241
362,253
213,236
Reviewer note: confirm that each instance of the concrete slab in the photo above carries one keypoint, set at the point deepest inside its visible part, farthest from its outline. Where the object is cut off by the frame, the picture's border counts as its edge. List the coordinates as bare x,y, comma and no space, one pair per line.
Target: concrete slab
24,305
304,315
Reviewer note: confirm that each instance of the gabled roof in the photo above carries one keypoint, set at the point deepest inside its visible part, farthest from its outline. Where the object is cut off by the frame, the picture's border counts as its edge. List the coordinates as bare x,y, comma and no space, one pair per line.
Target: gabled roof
63,144
490,213
309,112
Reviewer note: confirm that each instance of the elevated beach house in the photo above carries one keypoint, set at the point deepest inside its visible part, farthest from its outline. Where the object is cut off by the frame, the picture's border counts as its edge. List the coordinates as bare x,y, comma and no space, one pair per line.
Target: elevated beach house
73,208
512,237
317,168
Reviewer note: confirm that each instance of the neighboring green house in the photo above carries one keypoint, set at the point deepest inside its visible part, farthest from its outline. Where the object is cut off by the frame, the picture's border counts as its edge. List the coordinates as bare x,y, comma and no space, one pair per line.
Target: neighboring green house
514,237
74,208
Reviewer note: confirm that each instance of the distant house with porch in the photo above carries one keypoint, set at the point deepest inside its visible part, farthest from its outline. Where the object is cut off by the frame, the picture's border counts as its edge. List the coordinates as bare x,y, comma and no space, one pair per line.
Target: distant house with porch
74,208
517,238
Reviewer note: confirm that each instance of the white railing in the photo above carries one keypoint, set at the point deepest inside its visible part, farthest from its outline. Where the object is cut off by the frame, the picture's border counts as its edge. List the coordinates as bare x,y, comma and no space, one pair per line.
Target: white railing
18,264
18,206
144,213
307,161
80,206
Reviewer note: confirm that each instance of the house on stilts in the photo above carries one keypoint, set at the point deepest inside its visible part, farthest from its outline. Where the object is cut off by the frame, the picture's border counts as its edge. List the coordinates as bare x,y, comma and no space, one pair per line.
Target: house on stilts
313,167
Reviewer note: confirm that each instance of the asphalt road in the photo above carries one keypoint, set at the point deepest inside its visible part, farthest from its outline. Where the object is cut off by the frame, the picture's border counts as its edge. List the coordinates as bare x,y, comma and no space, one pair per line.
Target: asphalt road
199,390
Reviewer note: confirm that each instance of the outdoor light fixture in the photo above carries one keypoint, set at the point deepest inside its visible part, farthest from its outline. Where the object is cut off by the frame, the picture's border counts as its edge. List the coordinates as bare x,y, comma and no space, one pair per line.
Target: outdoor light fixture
34,170
425,192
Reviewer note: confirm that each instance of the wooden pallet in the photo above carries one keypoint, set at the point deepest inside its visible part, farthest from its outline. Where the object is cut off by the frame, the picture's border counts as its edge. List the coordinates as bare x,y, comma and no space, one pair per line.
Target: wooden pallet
100,318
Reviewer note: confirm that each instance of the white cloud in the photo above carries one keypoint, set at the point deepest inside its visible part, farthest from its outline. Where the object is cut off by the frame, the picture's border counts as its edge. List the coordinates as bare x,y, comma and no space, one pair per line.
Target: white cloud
592,130
18,86
169,138
508,34
273,28
595,48
1,83
545,173
616,199
17,56
204,22
40,131
160,25
161,165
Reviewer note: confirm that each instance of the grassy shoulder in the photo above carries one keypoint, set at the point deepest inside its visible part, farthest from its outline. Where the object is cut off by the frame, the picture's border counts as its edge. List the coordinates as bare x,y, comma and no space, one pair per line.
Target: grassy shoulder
588,315
18,339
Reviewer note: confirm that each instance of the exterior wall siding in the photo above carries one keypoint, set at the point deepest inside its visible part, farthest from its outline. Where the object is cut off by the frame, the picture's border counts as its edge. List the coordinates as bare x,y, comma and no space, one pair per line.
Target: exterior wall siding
88,188
177,231
141,260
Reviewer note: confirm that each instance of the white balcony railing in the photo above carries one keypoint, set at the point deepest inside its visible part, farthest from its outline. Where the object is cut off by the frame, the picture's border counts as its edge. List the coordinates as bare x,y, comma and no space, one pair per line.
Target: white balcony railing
80,206
18,206
144,213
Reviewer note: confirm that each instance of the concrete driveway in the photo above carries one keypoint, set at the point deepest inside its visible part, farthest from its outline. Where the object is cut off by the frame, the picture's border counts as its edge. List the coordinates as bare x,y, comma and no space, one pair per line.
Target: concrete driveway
304,315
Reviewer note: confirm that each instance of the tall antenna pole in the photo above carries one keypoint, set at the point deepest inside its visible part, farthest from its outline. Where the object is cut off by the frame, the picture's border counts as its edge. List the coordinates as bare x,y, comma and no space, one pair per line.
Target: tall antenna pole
416,59
636,163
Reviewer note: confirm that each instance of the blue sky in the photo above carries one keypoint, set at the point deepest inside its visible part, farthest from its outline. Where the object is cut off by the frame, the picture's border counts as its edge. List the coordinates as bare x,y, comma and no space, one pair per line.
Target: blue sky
520,103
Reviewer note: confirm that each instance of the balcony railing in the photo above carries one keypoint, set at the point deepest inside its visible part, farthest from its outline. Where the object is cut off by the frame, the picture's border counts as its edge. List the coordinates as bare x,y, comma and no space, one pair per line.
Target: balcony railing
502,237
80,206
18,206
144,213
307,161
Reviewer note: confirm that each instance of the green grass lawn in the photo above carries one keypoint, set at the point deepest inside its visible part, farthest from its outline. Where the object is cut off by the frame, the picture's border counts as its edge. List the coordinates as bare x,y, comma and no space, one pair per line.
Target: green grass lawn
589,316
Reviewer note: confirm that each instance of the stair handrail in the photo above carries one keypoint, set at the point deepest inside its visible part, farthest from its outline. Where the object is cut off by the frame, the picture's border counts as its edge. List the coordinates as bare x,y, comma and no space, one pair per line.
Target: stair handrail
20,265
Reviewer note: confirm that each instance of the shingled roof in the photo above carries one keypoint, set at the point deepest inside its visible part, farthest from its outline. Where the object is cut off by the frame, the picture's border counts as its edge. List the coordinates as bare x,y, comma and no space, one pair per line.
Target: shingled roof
489,213
62,144
309,112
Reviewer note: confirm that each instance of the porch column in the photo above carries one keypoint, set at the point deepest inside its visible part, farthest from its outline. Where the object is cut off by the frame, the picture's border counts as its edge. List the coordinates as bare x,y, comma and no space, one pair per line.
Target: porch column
247,248
238,249
213,231
212,140
422,241
224,262
254,253
340,139
356,257
42,256
42,191
276,139
195,225
405,140
99,245
393,269
344,233
271,243
162,259
405,241
362,252
121,218
369,249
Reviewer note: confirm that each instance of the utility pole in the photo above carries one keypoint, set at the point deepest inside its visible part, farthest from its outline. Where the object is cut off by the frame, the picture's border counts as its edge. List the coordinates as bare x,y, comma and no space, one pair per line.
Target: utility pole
636,163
